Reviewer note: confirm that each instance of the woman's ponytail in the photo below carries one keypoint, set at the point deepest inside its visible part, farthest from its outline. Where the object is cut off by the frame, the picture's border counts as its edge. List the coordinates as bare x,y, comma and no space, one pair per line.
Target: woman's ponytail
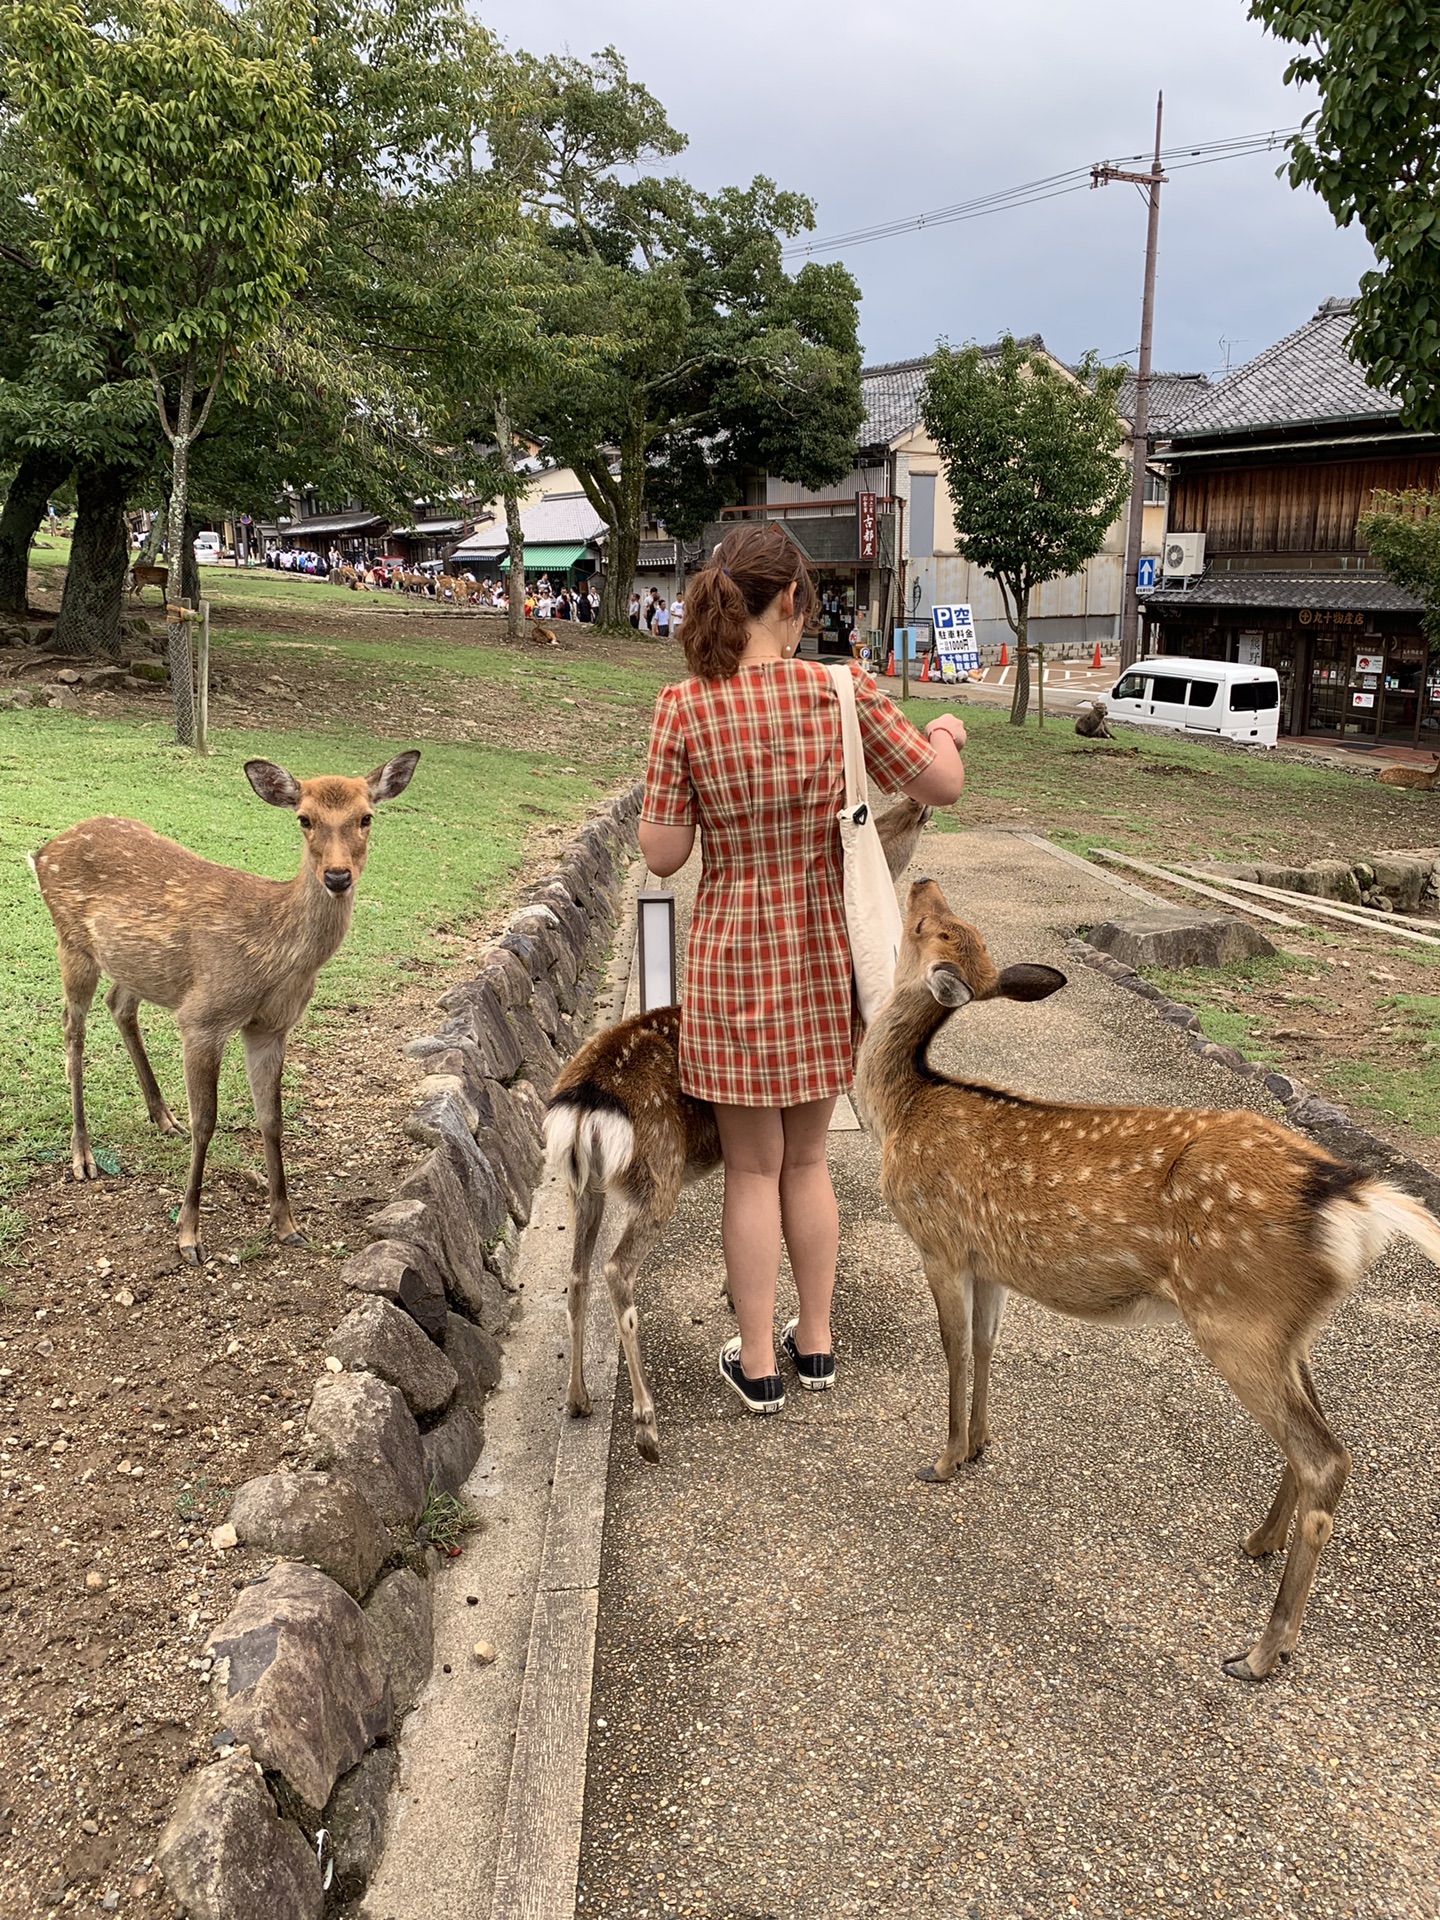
745,574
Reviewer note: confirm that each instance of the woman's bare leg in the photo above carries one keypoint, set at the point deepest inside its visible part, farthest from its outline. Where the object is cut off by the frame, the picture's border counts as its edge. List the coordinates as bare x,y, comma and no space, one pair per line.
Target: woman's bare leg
810,1219
752,1140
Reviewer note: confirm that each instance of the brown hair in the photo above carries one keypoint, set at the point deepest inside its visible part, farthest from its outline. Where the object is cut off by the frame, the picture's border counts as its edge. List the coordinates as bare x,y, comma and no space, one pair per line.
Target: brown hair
752,565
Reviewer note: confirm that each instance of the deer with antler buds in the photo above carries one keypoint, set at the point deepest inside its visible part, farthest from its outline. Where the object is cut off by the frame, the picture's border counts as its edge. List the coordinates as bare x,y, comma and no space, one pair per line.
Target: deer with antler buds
1245,1232
227,952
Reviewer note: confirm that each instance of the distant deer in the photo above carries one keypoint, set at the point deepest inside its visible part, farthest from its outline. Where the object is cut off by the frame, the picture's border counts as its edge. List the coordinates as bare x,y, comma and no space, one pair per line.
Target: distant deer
618,1126
1127,1216
142,576
1093,722
228,952
1425,779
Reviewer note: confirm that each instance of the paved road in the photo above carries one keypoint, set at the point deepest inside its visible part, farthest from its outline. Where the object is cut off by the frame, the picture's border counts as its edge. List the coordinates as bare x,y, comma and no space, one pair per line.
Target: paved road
823,1688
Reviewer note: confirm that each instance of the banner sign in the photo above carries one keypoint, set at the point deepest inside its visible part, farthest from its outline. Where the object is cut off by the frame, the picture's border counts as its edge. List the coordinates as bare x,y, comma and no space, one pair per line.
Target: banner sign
957,650
867,526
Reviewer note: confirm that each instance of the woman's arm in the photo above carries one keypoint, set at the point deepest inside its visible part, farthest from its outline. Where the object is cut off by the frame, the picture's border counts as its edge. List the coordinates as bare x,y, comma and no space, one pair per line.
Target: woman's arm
944,779
666,849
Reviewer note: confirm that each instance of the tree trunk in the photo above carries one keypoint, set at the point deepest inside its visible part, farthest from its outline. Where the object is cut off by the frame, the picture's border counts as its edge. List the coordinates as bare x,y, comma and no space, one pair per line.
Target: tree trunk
509,487
177,632
1020,704
36,478
622,550
155,538
189,565
94,596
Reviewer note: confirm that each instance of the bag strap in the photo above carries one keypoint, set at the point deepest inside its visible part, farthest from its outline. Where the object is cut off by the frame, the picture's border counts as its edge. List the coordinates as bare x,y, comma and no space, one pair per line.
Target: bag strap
857,786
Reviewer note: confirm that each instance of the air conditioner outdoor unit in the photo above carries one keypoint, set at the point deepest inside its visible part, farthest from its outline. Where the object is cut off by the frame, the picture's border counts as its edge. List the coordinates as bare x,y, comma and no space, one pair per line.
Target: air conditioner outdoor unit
1184,555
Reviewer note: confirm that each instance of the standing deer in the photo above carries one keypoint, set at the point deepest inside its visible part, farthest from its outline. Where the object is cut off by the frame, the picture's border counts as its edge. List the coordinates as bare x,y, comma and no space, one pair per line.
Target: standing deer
227,952
1425,779
618,1126
1127,1216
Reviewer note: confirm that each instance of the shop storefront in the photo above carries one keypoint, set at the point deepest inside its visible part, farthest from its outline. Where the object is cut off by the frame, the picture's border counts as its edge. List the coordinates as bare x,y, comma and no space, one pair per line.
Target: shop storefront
844,594
1363,674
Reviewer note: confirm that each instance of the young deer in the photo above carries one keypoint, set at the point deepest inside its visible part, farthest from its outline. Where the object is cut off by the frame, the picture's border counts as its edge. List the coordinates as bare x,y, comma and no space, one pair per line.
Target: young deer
1129,1216
228,952
1425,779
618,1125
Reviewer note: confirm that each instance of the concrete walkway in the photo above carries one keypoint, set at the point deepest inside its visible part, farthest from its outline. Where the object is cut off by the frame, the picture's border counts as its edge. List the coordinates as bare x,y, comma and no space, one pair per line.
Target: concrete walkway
822,1688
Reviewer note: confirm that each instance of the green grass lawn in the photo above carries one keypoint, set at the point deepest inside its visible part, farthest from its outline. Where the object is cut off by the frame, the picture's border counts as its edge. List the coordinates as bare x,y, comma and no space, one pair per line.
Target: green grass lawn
443,853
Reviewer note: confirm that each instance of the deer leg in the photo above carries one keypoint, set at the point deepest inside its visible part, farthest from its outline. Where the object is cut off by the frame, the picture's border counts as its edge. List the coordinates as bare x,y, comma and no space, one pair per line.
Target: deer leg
1277,1399
264,1063
642,1230
986,1313
1270,1536
202,1079
952,1293
125,1012
589,1212
79,976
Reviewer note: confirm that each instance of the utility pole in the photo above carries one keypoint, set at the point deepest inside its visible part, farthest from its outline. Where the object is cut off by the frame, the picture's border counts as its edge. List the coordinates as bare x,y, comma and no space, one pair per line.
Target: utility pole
1101,176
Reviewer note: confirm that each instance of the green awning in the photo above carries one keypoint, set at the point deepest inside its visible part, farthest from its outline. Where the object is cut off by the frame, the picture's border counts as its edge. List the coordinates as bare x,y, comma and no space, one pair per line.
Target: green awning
540,559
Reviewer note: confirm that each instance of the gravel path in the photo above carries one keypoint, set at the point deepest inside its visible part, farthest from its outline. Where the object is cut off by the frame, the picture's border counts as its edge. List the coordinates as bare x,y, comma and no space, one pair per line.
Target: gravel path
823,1688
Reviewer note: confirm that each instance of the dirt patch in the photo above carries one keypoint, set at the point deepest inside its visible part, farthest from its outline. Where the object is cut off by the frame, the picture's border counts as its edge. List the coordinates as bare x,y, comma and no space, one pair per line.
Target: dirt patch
135,1395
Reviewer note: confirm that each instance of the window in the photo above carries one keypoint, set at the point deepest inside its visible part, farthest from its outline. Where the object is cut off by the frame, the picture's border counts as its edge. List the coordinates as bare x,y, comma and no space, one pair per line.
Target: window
922,515
1157,488
1254,696
1202,693
1132,687
1169,690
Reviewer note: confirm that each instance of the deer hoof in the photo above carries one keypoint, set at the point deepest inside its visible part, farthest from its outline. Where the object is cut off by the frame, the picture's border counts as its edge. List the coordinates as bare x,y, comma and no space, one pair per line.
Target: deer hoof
194,1256
648,1448
295,1238
933,1477
579,1409
85,1169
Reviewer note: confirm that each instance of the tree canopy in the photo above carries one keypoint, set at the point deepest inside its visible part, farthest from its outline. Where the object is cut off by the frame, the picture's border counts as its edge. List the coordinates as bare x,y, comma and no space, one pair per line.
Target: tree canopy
1032,462
1402,530
1369,151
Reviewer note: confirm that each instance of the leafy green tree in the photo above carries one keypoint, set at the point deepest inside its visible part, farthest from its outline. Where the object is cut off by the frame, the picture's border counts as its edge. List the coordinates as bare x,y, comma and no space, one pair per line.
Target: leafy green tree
1402,530
1369,151
1033,462
713,357
174,145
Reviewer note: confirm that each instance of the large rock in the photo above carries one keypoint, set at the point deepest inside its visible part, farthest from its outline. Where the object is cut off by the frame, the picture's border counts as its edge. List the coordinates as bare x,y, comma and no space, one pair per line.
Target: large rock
1403,877
377,1338
355,1820
451,1450
401,1618
465,1229
401,1271
300,1679
1180,939
361,1427
476,1358
508,1132
319,1517
227,1855
1324,880
441,1228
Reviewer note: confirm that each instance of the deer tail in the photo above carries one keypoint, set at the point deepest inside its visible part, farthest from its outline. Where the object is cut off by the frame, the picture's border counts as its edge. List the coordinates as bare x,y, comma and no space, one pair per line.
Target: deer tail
1358,1227
589,1139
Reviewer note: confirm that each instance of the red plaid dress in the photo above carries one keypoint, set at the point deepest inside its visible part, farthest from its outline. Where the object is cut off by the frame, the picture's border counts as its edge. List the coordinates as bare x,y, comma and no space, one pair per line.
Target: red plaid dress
756,762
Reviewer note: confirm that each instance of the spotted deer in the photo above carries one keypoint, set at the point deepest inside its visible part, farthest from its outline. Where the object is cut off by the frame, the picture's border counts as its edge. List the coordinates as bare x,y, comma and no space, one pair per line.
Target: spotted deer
618,1127
1424,779
1127,1216
227,952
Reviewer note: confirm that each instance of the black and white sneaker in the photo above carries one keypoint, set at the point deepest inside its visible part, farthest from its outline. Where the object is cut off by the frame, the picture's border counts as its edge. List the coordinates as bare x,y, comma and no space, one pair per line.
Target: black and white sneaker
765,1395
816,1371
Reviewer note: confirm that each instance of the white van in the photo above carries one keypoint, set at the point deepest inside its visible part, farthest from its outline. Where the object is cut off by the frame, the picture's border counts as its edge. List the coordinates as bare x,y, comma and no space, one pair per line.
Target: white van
207,549
1200,696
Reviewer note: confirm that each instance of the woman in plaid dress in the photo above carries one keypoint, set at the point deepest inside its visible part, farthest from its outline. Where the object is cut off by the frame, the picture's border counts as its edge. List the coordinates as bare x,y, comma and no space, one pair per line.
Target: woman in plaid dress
749,751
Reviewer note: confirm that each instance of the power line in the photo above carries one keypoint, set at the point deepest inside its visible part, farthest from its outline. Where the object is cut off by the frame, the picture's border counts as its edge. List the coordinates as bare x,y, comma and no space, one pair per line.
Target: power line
1032,192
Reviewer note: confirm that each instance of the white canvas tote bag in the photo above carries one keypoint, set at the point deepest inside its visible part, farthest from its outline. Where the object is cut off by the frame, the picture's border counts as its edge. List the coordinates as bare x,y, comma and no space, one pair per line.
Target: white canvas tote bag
872,913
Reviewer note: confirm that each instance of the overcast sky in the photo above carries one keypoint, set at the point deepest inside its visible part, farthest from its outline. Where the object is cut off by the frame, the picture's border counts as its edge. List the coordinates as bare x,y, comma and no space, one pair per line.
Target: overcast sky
896,107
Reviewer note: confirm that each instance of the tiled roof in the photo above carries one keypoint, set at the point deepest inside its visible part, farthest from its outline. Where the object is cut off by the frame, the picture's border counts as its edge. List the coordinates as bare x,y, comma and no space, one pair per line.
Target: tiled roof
1170,395
564,519
1306,377
334,523
892,393
1333,592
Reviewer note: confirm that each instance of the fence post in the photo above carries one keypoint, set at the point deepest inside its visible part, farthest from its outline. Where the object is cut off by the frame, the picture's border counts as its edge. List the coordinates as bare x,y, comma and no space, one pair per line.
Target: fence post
202,676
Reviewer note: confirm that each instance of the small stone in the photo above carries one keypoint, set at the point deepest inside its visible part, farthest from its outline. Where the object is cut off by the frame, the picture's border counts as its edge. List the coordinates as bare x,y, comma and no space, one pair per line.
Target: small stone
110,1902
94,1582
124,1298
484,1654
224,1538
125,1466
89,1826
333,1363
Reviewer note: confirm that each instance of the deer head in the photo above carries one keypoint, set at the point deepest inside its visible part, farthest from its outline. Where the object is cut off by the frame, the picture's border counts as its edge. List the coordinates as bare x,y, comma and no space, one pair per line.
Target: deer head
335,813
948,956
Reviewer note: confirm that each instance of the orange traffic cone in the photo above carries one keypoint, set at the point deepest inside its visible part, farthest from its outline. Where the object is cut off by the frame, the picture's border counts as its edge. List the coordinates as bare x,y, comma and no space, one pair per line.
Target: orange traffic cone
1096,661
1004,654
890,664
925,675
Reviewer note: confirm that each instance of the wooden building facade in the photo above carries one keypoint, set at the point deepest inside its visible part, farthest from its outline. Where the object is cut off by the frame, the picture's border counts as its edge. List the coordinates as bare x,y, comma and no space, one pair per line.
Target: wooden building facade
1275,467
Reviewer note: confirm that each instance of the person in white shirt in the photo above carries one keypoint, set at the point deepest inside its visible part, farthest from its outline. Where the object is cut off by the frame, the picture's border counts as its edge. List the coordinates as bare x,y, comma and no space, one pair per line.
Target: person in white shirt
544,605
677,614
662,618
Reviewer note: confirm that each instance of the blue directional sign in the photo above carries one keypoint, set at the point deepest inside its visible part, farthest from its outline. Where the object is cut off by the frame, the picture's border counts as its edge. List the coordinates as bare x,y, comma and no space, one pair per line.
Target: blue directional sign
1145,573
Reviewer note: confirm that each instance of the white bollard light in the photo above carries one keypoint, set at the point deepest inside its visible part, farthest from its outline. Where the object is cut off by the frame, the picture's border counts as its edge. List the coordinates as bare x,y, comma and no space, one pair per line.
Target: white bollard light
655,919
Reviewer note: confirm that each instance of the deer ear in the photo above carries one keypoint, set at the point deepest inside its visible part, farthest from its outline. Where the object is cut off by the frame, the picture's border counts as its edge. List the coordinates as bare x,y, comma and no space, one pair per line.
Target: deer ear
385,782
1028,982
947,986
273,783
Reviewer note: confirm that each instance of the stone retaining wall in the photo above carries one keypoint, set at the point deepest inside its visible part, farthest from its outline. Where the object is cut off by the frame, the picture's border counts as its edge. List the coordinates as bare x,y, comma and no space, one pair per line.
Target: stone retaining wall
321,1658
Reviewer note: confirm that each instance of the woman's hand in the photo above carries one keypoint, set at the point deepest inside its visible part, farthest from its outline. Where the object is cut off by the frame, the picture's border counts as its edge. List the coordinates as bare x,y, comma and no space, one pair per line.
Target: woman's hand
947,723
